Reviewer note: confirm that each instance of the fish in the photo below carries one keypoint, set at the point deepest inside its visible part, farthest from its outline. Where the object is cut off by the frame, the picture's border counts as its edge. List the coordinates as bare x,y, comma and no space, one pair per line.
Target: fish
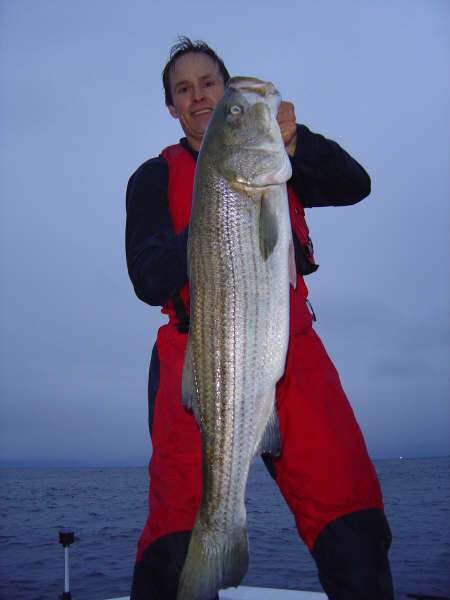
240,265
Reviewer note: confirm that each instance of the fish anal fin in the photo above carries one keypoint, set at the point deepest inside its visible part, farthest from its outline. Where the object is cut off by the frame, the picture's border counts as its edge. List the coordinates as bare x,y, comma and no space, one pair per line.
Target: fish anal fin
271,439
292,265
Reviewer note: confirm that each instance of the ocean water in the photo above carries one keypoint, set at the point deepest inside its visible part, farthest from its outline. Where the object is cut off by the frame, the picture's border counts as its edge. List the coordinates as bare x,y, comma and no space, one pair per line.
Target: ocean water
106,508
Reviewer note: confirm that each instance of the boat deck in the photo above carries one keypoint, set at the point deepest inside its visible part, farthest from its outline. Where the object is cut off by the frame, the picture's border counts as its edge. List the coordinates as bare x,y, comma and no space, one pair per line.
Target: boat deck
258,593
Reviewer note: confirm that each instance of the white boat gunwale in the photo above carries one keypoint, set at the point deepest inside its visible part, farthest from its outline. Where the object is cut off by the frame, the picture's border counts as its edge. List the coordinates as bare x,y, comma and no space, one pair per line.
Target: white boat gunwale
259,593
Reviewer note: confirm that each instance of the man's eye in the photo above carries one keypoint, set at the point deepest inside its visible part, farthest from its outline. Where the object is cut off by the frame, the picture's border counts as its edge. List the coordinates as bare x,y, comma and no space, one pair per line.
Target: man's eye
182,90
210,83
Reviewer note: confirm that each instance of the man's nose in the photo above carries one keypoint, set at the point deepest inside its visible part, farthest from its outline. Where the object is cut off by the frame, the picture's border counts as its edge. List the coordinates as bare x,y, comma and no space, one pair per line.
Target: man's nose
198,93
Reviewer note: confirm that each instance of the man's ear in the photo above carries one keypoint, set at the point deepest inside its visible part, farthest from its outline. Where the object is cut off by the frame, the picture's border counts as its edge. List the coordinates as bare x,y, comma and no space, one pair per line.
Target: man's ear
173,111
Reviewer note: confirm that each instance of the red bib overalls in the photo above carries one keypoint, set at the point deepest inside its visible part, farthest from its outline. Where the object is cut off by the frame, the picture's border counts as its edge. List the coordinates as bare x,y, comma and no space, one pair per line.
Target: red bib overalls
324,470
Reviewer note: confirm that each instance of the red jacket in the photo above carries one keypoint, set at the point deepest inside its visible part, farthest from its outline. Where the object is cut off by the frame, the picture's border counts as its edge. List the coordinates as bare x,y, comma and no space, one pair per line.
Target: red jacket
181,181
324,470
323,174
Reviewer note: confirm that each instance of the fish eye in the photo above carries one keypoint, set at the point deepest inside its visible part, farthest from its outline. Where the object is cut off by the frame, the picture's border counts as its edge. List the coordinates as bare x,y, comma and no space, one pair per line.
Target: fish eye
235,109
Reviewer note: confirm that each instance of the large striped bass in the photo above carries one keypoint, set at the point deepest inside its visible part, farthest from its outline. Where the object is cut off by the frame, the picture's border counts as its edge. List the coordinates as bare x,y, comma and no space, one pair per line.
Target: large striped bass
240,261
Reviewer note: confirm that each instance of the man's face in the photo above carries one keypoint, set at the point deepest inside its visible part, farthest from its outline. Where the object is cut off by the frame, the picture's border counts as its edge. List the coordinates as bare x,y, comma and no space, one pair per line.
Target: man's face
197,86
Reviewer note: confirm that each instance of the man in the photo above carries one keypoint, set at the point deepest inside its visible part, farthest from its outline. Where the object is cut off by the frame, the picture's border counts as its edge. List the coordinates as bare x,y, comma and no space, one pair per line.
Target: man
324,471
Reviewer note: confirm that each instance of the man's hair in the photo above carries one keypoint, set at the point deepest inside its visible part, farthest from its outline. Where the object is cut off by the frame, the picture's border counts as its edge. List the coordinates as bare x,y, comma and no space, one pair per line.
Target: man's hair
183,46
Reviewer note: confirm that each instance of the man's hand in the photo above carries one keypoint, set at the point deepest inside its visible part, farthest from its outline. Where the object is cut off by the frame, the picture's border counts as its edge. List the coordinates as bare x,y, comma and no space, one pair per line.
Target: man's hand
288,128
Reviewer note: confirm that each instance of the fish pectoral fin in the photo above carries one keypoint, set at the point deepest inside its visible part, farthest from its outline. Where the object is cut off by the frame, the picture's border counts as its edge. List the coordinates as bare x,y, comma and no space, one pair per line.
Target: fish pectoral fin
292,265
271,438
268,228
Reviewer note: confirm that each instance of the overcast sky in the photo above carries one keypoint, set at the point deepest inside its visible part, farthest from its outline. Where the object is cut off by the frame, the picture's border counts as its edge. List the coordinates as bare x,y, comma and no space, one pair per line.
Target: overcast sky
82,106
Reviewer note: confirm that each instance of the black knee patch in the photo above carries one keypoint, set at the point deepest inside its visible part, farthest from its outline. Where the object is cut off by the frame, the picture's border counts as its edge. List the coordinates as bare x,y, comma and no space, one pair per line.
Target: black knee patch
156,576
351,555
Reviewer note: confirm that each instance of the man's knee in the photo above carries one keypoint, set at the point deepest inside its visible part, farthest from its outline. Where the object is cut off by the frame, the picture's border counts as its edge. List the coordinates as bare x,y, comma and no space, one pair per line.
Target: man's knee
156,575
351,555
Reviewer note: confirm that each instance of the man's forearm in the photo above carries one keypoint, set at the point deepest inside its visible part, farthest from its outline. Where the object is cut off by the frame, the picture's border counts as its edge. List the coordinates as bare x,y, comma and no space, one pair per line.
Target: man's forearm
324,174
156,257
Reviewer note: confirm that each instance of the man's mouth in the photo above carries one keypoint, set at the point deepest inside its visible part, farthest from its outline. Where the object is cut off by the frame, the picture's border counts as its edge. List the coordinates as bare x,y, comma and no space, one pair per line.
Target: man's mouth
202,111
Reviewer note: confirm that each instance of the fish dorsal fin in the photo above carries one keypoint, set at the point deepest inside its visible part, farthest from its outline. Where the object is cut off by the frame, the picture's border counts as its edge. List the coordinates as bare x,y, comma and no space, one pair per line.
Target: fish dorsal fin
187,380
189,396
268,228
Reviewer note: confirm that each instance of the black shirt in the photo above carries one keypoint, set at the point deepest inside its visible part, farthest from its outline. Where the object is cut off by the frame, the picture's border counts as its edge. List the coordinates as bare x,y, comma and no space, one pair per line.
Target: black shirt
323,174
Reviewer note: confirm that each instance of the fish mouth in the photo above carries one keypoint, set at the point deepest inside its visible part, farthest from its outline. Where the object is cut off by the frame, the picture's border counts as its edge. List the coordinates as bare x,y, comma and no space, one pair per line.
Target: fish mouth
253,85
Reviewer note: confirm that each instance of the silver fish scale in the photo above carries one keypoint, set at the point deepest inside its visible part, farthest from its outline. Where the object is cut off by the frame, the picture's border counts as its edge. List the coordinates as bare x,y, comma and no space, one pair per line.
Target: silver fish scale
238,253
238,333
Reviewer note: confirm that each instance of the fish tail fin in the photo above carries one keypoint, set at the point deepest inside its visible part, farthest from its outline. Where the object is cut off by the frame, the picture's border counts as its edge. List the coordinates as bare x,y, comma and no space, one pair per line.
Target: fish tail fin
214,561
235,558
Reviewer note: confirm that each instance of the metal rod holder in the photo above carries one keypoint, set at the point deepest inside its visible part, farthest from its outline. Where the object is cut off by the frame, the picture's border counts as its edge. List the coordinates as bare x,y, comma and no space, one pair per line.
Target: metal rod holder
66,538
